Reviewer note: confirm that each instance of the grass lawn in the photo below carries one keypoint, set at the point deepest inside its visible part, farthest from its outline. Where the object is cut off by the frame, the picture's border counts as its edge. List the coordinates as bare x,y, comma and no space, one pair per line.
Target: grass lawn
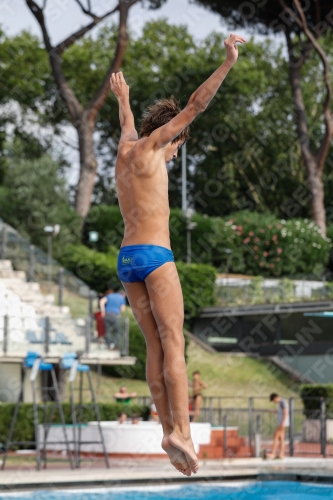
240,377
226,375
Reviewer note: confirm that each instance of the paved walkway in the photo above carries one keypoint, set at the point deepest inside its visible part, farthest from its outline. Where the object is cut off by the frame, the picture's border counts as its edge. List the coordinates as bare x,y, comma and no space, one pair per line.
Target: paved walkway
136,471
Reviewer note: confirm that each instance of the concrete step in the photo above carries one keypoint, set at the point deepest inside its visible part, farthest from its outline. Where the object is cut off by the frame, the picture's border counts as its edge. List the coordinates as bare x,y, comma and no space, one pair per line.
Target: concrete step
5,265
102,353
52,310
8,273
22,286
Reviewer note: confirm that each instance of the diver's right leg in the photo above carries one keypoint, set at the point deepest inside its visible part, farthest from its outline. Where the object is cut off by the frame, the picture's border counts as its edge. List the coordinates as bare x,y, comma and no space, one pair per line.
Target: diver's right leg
166,301
139,300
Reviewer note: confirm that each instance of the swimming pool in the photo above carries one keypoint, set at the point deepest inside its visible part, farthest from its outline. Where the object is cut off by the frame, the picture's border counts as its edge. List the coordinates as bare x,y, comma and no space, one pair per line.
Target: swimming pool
270,490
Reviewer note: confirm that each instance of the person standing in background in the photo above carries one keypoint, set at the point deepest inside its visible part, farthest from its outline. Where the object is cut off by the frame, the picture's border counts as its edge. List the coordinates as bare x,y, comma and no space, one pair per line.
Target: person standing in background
112,304
197,386
282,423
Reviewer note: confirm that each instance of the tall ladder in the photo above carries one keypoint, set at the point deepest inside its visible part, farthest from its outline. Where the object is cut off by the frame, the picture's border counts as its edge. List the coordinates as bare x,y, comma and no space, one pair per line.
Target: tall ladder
34,363
71,364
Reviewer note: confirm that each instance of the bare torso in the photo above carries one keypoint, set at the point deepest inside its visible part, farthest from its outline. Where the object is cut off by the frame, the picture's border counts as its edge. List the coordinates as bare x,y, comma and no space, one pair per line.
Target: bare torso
196,387
142,186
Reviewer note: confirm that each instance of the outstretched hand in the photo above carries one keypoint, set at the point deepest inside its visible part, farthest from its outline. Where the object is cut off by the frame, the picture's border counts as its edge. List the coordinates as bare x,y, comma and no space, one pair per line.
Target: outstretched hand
118,85
231,47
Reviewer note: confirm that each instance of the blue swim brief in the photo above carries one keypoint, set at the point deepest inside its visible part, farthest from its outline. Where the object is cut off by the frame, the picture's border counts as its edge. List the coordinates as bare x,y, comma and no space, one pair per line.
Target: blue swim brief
136,262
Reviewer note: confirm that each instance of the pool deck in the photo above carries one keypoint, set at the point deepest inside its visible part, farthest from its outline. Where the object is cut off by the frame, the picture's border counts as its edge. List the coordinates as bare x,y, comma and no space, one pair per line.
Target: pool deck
135,472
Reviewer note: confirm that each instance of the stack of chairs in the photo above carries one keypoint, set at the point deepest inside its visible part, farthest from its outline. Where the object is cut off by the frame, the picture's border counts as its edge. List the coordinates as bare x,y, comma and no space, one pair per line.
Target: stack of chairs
71,365
33,365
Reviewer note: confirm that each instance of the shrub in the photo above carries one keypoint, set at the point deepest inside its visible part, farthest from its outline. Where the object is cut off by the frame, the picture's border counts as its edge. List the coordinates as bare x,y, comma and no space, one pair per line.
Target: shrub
311,395
198,285
272,247
260,244
24,428
108,222
33,196
98,270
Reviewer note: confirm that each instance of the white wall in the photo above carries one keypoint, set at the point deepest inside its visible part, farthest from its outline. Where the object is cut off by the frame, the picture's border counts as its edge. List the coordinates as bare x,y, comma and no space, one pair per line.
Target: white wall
10,383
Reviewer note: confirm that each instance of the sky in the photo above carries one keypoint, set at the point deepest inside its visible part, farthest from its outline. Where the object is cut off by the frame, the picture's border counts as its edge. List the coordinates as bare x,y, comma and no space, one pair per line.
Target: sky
65,16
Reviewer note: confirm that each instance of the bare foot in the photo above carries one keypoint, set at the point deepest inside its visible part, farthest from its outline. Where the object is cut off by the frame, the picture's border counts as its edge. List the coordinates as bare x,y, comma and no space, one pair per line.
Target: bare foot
177,457
186,446
270,456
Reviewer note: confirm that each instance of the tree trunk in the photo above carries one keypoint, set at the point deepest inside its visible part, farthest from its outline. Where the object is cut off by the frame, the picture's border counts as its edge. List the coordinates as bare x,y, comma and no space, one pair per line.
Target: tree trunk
314,172
316,188
84,119
88,166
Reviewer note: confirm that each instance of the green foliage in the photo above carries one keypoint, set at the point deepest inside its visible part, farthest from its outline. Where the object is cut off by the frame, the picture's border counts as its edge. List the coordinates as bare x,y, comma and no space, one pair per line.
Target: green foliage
311,395
261,244
198,285
248,162
24,429
251,162
25,74
280,248
98,270
34,195
108,222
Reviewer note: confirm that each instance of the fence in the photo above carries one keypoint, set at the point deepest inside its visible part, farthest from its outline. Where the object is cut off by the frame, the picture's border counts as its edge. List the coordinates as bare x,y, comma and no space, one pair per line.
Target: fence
310,432
42,335
238,291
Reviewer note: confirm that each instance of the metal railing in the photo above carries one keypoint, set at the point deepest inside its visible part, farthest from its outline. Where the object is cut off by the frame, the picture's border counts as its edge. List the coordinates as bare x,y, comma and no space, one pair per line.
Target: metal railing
40,268
260,291
45,337
310,432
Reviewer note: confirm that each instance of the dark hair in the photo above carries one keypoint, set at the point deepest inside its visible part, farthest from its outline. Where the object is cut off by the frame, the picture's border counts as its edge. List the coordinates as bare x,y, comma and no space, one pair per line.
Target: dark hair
196,372
159,114
273,396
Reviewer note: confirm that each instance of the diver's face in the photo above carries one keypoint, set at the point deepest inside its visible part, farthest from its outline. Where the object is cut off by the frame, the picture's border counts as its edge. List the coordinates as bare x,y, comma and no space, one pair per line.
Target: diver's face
171,151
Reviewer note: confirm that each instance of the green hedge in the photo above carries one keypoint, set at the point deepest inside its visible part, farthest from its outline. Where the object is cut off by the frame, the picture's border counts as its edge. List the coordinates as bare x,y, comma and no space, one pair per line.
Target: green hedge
108,222
264,245
198,285
261,244
24,428
99,270
311,395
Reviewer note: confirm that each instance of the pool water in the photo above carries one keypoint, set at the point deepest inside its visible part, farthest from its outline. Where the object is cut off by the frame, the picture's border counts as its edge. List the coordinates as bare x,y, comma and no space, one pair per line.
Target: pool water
270,490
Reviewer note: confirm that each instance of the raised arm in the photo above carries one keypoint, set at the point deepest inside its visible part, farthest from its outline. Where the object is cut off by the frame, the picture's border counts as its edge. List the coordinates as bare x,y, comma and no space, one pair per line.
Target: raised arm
200,99
121,90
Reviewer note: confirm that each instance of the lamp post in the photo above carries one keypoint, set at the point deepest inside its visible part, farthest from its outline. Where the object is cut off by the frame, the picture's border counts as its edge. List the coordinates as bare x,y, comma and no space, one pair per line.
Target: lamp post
184,179
50,231
228,251
187,212
189,228
93,238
